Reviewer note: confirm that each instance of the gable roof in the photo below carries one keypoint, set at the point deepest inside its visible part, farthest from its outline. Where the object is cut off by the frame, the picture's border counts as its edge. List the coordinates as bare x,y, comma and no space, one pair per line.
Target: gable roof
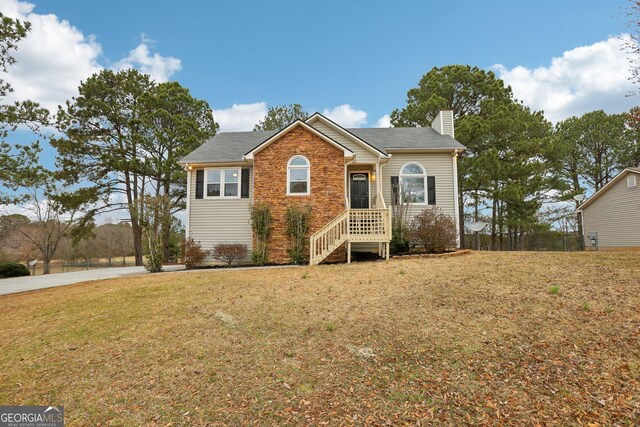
231,147
344,132
277,135
609,184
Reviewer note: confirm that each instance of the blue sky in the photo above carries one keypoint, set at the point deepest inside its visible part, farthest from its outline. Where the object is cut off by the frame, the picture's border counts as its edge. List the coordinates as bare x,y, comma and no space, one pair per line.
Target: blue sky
352,60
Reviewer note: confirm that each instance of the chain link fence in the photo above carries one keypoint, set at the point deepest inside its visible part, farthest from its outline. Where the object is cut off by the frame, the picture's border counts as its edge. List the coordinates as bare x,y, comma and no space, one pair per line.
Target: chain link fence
546,241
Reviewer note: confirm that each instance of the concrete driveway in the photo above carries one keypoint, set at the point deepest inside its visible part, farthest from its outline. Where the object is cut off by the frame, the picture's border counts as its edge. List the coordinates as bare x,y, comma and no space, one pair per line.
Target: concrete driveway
30,283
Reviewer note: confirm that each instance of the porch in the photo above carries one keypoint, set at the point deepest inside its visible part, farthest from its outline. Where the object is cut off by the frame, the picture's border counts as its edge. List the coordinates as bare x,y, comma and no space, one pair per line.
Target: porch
352,226
365,222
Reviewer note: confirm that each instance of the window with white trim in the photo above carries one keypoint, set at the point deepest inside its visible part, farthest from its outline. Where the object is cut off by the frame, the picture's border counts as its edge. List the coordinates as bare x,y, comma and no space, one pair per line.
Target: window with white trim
298,176
631,181
413,183
223,183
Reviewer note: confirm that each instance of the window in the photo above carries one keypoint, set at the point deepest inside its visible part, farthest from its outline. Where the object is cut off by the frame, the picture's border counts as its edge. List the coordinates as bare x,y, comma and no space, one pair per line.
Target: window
298,180
222,183
631,181
413,183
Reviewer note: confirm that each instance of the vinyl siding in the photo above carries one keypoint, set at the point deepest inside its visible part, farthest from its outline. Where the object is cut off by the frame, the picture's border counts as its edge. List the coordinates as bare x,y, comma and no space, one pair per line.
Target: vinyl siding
615,216
443,123
439,165
447,127
363,155
214,221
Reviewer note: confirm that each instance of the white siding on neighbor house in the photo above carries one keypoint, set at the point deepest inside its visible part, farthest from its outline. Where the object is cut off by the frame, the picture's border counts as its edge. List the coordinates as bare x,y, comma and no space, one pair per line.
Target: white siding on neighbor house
363,155
439,165
615,216
214,221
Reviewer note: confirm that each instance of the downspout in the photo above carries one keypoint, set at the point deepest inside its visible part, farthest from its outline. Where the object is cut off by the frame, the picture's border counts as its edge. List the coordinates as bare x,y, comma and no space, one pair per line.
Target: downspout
455,196
378,178
380,175
346,182
386,246
187,231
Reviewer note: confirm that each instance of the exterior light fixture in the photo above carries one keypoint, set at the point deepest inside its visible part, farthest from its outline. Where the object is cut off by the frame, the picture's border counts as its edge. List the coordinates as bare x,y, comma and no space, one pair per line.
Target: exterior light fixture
373,176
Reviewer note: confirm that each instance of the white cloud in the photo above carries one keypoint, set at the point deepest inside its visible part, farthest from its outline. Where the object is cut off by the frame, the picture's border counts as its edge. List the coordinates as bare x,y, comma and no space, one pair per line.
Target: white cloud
384,122
346,116
583,79
51,60
55,57
240,117
159,67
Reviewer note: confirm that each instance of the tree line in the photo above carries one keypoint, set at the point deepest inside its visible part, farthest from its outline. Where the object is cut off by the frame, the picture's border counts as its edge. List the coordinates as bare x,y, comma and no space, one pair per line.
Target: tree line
117,143
516,161
519,172
119,140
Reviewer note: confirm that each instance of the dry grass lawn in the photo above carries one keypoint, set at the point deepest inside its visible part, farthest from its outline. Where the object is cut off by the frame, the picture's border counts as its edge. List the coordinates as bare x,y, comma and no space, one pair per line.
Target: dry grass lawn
486,338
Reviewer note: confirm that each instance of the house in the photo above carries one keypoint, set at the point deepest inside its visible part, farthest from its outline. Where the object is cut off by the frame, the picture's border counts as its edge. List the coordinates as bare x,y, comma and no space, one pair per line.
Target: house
611,217
349,177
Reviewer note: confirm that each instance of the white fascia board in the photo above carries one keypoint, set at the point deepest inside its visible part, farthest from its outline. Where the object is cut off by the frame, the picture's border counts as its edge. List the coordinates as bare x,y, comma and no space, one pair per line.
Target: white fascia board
609,184
250,154
346,134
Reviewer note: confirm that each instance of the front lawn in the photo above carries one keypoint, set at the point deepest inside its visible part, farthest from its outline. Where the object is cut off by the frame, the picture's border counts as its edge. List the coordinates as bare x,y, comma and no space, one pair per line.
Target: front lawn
496,338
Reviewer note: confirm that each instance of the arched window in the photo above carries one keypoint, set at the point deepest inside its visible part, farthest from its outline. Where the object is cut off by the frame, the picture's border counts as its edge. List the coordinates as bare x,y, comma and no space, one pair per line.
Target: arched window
298,179
413,183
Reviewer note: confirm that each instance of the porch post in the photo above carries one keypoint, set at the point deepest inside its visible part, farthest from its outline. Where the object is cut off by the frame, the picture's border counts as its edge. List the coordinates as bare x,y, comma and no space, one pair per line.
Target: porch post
348,252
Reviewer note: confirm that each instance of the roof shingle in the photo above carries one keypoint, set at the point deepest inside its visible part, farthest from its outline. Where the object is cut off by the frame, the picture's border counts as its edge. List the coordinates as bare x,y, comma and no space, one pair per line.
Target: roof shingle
227,147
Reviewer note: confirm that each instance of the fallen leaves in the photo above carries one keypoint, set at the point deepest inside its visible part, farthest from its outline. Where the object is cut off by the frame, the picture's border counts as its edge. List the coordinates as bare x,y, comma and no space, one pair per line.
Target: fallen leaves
465,340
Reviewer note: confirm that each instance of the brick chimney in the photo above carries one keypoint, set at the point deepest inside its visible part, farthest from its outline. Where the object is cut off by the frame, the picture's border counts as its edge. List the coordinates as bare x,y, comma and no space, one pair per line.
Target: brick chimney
443,123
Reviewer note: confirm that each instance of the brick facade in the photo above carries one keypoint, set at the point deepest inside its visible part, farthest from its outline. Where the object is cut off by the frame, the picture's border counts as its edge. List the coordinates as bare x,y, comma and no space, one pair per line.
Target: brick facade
327,193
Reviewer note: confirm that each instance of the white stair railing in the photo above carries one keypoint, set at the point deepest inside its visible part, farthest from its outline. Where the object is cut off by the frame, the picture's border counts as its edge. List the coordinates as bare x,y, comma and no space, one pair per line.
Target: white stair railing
328,238
352,225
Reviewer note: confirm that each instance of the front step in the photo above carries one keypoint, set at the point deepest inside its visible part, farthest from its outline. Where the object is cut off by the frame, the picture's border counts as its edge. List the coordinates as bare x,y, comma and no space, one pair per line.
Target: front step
352,225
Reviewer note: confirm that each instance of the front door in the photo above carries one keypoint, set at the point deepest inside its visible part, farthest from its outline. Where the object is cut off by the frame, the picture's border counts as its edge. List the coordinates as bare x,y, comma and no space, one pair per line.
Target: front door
359,190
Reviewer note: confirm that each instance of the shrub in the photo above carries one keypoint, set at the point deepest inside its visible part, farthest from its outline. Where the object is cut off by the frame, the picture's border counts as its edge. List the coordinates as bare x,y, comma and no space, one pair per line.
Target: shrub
153,224
399,242
153,262
433,230
298,220
192,253
13,269
229,252
400,209
261,226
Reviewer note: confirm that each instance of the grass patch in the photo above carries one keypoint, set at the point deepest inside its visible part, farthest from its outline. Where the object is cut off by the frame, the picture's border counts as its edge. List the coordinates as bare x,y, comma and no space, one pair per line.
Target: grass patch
472,340
554,290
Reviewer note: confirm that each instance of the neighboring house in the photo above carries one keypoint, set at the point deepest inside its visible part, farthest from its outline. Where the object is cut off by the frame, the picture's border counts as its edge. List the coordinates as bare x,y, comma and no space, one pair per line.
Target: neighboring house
611,217
348,176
